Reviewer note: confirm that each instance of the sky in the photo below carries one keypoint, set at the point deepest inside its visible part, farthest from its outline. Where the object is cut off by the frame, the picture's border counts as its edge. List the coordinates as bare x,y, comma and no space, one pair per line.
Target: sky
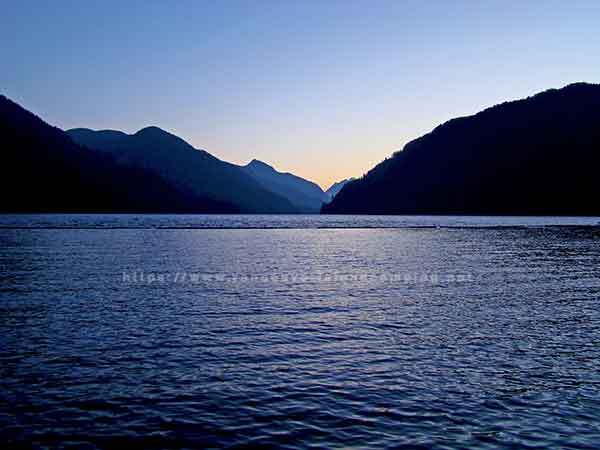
324,89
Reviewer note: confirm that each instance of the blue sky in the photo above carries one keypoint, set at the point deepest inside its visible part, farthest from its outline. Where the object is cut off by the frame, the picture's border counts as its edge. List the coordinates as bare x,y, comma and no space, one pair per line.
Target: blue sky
325,89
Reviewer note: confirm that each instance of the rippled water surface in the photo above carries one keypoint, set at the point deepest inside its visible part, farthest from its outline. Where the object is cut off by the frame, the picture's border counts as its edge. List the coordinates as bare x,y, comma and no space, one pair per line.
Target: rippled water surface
155,332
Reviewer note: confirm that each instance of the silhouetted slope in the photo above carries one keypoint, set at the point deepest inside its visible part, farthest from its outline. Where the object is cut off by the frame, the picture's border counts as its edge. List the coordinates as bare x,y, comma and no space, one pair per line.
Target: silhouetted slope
305,195
337,187
190,169
534,156
45,171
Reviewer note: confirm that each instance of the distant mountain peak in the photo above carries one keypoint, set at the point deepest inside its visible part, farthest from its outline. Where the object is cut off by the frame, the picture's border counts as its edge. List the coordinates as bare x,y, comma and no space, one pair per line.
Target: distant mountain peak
304,194
152,130
155,136
256,163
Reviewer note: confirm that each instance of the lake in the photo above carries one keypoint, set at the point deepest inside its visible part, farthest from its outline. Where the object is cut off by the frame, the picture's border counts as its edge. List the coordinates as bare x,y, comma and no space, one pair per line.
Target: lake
171,331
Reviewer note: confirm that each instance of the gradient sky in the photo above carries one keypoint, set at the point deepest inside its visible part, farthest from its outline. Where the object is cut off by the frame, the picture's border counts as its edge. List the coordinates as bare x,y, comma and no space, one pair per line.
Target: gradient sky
325,89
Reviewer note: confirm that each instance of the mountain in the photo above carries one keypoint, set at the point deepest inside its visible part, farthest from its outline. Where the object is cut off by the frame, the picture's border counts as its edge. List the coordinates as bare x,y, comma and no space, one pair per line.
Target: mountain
305,195
190,169
537,156
45,171
337,187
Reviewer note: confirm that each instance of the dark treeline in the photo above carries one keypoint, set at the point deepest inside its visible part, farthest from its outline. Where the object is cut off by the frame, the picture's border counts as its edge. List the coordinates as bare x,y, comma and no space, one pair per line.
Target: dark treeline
45,171
537,156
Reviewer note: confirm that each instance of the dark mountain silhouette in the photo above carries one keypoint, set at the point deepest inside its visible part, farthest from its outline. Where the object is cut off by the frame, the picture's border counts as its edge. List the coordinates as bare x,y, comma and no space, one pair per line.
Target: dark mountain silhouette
45,171
305,195
534,156
189,169
337,187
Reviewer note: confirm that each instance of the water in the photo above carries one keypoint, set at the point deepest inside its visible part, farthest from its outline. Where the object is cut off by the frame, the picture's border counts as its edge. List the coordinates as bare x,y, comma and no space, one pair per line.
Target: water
408,332
191,221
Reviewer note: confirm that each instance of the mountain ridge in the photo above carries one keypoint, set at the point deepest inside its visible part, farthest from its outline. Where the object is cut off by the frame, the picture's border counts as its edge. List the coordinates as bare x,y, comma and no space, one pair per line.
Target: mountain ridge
520,157
306,195
186,167
49,172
